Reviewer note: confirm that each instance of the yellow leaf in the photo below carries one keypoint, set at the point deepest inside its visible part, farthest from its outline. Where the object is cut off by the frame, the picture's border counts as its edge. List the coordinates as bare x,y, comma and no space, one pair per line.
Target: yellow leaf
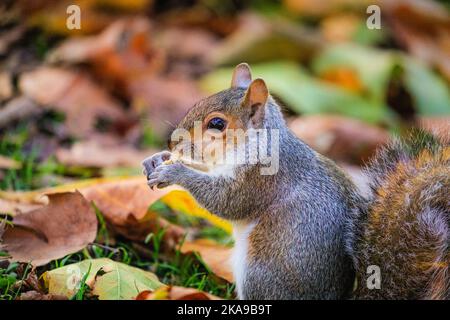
182,201
117,282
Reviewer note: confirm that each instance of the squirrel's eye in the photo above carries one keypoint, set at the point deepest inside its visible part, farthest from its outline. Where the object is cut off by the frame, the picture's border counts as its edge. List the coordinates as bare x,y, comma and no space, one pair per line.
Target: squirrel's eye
217,123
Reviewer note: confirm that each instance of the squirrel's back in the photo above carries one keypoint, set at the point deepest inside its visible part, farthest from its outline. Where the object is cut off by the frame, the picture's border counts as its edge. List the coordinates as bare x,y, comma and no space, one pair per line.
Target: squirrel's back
404,233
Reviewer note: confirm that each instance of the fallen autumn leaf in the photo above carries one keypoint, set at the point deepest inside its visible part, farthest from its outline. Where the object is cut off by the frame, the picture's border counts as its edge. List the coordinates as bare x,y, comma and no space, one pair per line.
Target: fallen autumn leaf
107,279
66,225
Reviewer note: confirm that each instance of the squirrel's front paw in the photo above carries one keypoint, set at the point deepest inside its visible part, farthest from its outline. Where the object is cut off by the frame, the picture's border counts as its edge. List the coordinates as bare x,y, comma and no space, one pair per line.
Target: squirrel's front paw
151,163
165,175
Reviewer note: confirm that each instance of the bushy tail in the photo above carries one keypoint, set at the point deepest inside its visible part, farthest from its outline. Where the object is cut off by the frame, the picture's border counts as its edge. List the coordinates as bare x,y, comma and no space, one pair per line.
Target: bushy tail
402,238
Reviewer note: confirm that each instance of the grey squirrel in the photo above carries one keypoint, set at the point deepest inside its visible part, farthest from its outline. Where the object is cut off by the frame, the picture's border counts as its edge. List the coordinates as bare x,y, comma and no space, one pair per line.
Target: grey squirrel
305,231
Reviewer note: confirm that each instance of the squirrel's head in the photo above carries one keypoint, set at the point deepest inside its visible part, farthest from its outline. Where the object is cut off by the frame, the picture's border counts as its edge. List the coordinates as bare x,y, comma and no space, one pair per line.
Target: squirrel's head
219,119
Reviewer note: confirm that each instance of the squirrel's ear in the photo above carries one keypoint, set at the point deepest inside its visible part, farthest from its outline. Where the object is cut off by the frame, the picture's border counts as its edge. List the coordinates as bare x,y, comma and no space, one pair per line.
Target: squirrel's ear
242,76
256,98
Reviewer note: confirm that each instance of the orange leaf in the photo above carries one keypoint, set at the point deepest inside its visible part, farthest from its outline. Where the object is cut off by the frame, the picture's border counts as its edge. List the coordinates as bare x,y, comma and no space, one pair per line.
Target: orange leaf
176,293
215,256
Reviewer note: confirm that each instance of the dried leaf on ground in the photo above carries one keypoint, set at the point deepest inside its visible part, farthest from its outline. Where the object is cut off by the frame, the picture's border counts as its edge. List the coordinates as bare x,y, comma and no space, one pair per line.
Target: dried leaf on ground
339,138
119,199
216,256
323,8
187,43
127,58
29,279
423,27
66,225
6,86
176,293
8,163
123,51
98,153
52,18
8,37
73,93
13,207
16,109
439,126
107,279
125,206
124,202
36,295
164,100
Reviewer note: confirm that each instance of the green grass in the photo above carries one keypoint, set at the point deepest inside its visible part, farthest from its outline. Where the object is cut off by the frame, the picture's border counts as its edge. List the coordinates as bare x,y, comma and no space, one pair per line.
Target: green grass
10,282
8,277
16,144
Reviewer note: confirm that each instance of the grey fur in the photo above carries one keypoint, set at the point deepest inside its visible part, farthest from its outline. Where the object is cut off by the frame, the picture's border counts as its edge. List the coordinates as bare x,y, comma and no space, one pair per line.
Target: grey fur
301,211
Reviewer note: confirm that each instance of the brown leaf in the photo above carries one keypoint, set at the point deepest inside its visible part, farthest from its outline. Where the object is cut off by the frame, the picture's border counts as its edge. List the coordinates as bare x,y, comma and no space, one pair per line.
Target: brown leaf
199,16
121,52
164,100
215,256
187,43
35,295
126,58
28,279
8,163
423,27
339,138
119,199
125,206
13,207
6,86
31,281
72,93
439,126
138,230
66,225
321,8
16,109
8,37
91,153
124,202
176,293
52,17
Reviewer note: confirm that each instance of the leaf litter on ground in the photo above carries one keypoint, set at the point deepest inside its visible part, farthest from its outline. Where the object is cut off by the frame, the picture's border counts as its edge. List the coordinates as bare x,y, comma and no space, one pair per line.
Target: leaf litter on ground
124,204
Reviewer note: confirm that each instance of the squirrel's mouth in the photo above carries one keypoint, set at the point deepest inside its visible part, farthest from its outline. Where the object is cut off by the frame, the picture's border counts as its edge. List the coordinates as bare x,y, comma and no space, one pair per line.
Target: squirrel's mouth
198,165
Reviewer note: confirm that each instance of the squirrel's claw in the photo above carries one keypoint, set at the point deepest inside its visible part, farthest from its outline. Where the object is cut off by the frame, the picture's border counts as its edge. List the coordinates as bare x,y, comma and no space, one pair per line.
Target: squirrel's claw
164,176
150,168
151,163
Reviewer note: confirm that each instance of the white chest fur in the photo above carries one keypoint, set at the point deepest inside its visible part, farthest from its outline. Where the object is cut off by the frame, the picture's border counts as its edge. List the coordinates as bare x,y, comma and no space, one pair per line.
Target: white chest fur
241,232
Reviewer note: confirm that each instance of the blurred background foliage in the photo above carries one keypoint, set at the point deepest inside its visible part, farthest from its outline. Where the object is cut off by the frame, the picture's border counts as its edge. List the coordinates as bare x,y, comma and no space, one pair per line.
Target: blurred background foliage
95,101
